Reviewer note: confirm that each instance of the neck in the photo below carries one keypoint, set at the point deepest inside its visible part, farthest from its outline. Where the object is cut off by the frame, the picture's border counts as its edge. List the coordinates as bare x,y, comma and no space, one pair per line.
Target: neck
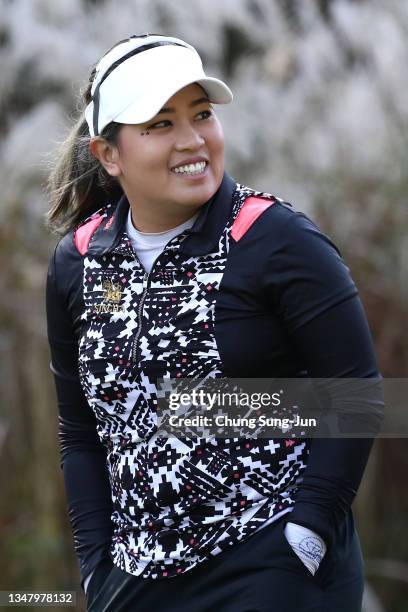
152,224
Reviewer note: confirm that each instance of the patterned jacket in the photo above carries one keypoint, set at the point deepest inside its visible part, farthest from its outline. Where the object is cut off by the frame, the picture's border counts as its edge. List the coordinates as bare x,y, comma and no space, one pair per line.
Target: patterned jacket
225,298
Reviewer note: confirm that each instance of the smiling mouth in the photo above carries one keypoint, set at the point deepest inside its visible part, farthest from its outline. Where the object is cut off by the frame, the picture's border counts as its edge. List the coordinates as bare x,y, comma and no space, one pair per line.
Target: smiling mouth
197,168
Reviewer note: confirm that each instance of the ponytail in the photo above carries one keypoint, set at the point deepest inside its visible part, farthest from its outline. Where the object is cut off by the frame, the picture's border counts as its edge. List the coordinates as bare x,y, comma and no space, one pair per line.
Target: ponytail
78,184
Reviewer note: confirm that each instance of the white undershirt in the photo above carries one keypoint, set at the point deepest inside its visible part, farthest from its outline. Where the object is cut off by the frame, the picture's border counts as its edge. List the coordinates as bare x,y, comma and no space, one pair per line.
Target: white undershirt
148,246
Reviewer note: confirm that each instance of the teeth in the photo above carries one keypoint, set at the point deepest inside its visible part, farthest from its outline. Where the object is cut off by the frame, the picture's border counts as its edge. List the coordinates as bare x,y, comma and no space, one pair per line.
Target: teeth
191,168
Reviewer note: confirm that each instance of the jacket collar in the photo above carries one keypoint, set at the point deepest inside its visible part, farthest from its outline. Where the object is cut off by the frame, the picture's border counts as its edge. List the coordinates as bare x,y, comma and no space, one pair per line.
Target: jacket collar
204,235
201,238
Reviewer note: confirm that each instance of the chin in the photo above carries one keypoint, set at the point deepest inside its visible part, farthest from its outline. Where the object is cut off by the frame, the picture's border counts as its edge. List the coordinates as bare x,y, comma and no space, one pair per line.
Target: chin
195,193
202,193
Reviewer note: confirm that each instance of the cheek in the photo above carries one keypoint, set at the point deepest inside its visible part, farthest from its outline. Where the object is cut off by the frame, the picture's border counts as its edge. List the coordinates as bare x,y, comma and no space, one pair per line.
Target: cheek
217,155
148,154
158,159
218,141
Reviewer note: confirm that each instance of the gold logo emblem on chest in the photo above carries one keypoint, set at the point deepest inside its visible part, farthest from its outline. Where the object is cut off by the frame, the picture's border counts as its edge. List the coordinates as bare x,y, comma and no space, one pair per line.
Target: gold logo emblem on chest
113,292
111,298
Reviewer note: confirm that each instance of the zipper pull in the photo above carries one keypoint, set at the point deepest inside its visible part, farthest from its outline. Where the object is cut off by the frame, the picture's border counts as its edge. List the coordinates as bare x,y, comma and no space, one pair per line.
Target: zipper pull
145,280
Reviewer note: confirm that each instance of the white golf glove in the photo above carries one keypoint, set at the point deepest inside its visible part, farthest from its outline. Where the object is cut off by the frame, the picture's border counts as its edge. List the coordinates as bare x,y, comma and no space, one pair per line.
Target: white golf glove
309,547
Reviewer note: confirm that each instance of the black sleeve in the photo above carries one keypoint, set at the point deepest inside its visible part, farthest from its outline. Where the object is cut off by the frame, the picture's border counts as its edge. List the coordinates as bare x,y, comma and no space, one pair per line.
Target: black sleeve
83,457
313,292
337,344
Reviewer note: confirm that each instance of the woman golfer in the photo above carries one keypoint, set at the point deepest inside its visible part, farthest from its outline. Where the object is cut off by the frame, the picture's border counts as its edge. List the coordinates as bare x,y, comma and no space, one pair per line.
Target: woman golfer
170,269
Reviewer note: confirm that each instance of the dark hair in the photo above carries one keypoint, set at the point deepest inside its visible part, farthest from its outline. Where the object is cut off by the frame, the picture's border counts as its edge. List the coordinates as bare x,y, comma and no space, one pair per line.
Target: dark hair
78,184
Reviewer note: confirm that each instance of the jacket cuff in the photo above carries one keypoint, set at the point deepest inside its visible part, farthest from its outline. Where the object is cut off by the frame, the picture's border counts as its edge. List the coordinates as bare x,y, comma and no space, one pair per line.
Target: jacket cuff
321,505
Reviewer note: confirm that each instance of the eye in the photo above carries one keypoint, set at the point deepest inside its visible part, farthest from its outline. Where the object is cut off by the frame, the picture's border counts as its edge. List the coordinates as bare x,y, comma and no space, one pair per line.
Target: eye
160,124
206,114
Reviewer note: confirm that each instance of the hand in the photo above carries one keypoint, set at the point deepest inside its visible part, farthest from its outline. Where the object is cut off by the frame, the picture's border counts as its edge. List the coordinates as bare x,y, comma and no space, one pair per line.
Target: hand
309,547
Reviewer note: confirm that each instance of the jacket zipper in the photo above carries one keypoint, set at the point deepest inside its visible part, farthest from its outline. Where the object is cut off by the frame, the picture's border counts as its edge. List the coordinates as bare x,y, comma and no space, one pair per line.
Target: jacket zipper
145,286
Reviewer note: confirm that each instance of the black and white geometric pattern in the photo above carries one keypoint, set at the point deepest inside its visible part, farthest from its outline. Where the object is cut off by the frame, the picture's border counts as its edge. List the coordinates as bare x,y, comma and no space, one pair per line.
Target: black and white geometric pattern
176,502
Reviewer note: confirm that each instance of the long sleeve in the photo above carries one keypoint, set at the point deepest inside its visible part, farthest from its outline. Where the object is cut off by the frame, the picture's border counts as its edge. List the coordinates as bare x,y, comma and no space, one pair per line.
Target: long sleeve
336,465
310,288
83,457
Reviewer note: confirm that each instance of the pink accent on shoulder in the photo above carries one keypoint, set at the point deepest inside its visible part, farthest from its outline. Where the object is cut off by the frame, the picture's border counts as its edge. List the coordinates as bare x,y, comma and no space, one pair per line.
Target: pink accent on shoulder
252,208
83,234
109,223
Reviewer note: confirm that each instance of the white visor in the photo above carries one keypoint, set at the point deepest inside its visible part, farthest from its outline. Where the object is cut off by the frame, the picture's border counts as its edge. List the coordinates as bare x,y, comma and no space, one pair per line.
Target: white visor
138,87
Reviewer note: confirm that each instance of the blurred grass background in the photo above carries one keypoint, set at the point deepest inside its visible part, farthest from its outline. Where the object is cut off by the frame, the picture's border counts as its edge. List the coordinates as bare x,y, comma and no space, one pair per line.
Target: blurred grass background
319,119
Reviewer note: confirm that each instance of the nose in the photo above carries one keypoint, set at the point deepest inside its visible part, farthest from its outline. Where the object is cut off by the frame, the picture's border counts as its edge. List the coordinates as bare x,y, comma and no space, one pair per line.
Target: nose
189,137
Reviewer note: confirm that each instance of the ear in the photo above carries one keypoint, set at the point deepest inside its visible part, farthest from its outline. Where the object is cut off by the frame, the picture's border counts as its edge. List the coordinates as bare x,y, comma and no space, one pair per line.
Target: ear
107,153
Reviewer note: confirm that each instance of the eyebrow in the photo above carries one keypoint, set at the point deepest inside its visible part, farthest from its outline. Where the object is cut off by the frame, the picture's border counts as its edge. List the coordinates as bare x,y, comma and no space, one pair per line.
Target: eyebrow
192,104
